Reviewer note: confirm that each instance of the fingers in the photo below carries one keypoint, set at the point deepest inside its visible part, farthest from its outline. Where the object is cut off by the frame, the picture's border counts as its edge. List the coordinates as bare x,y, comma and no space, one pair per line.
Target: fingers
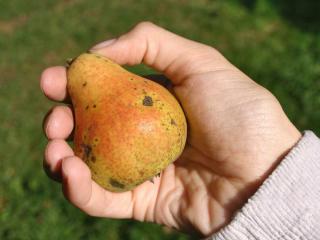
56,150
59,123
85,194
164,51
53,82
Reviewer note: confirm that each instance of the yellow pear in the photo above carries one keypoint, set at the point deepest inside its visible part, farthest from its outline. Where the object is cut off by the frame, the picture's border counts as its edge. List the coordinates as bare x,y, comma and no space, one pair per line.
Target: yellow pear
127,128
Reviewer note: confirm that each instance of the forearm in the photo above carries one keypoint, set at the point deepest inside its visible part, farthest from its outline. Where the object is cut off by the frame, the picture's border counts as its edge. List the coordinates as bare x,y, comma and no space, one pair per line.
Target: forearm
287,205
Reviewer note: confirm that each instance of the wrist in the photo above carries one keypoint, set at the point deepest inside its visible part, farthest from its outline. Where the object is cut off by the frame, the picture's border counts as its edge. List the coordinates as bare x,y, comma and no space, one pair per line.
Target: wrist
279,146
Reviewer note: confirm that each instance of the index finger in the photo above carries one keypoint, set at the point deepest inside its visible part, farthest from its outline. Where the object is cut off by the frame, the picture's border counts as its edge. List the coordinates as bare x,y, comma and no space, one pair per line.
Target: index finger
53,83
176,57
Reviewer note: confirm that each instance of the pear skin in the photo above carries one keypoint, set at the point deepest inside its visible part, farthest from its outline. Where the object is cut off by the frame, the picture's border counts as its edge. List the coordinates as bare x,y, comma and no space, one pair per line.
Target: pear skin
127,128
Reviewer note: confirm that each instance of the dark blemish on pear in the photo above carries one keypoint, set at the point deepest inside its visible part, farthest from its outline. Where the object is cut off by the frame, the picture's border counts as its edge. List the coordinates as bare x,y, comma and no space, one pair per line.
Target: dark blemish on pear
84,84
158,175
94,106
93,158
147,101
87,149
173,122
131,79
87,107
116,184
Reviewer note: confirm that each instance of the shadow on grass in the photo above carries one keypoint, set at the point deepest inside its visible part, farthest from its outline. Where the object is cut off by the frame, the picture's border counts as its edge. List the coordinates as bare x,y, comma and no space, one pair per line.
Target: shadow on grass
302,14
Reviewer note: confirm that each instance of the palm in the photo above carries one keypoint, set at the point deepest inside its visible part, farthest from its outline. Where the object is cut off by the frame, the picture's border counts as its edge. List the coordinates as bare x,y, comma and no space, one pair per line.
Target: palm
207,179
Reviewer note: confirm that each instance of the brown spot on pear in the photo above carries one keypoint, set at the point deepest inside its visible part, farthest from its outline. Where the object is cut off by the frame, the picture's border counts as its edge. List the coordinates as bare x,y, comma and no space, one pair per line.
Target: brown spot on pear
134,145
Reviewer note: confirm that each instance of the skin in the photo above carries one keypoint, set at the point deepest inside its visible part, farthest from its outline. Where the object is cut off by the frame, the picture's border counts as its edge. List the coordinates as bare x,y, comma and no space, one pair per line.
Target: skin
238,133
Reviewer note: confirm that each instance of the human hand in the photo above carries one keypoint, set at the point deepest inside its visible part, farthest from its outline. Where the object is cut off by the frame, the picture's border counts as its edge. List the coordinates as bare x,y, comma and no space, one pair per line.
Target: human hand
238,133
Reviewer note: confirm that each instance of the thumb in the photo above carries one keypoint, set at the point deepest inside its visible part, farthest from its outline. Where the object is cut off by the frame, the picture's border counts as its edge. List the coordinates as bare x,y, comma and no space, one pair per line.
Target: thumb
174,56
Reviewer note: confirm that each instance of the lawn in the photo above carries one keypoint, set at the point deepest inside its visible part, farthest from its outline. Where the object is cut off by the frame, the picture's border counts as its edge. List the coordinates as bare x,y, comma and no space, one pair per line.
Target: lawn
277,43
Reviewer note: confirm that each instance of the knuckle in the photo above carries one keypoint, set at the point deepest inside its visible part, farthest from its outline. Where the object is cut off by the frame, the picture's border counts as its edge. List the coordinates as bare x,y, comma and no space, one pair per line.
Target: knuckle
44,83
61,110
213,52
44,74
145,26
55,110
52,116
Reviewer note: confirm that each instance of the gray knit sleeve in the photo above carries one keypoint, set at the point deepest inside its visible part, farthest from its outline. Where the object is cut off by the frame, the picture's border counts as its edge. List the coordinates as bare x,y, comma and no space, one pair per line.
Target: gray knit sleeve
287,205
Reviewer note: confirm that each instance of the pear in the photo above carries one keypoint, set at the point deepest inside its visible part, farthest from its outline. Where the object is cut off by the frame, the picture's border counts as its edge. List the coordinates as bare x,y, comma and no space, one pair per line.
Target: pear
127,128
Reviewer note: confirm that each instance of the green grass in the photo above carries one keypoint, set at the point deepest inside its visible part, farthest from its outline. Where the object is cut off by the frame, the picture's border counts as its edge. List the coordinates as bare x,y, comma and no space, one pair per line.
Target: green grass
275,48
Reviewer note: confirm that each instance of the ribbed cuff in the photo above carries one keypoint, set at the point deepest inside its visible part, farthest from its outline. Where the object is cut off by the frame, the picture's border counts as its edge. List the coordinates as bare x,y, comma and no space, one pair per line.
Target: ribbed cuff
287,205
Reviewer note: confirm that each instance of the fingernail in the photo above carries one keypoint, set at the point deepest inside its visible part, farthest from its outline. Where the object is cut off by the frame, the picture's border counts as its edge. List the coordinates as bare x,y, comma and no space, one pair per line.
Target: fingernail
103,44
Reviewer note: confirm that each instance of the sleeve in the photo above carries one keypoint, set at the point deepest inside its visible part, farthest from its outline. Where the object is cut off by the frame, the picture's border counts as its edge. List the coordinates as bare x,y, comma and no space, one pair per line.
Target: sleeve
287,204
